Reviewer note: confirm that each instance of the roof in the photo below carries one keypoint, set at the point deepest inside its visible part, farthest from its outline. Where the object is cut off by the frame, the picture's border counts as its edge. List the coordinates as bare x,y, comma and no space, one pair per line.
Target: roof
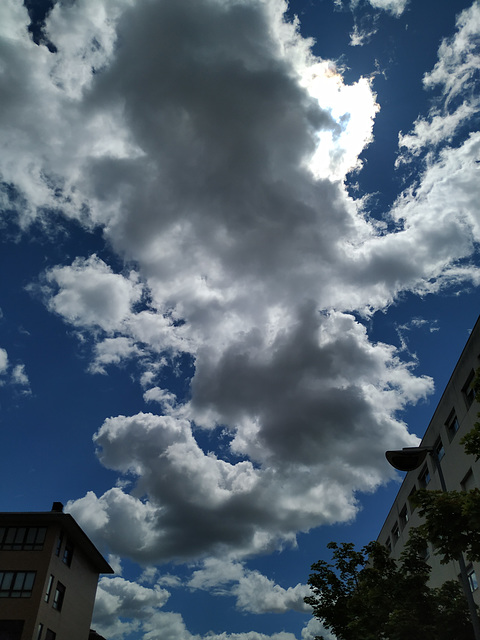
68,523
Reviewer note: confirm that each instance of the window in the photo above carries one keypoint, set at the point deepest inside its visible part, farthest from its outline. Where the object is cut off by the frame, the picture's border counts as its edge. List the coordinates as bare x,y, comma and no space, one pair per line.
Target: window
59,544
388,544
468,390
50,635
22,538
468,482
403,516
395,533
49,588
439,449
452,425
39,632
68,553
58,597
424,477
410,496
425,552
472,578
16,584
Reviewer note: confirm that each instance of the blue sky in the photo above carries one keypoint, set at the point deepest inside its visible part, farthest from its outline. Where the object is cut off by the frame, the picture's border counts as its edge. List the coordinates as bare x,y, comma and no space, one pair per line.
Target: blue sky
240,258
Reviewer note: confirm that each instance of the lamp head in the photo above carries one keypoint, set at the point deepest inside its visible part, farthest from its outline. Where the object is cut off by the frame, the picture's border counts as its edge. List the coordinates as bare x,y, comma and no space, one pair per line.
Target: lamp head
407,459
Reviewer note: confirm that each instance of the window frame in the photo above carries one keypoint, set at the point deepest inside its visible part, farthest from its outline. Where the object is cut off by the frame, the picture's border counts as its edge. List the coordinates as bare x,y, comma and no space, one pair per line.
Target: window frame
19,585
468,391
48,591
472,579
67,556
439,449
452,424
59,596
424,477
22,538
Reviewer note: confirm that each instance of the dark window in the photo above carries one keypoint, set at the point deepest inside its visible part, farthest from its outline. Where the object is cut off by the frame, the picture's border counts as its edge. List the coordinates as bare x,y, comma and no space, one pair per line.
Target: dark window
424,477
403,516
11,629
468,482
50,635
58,597
388,544
59,544
410,496
452,425
39,631
468,390
395,533
16,584
22,538
49,588
425,552
439,449
68,553
472,578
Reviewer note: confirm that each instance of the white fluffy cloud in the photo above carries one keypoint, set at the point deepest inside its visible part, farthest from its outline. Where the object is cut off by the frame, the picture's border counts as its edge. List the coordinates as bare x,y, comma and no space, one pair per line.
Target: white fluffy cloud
289,479
210,146
455,75
89,294
123,607
254,592
120,601
13,374
3,360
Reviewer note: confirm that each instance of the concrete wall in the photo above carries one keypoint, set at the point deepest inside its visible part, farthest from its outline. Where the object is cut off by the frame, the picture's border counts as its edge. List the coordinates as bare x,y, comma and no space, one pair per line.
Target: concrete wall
457,467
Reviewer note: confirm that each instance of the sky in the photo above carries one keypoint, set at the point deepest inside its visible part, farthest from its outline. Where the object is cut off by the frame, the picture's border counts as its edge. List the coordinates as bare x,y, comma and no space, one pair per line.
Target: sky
240,259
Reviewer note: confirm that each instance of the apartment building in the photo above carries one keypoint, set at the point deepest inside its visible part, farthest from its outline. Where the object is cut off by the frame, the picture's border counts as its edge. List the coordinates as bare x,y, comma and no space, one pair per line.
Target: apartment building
454,416
49,572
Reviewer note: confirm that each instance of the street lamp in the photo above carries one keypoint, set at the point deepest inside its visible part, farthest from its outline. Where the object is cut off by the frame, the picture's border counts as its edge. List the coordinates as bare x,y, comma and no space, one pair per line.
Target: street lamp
408,459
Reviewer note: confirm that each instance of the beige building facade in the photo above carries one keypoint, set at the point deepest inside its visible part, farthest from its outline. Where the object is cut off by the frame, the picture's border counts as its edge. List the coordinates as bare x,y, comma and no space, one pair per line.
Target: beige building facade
49,572
454,416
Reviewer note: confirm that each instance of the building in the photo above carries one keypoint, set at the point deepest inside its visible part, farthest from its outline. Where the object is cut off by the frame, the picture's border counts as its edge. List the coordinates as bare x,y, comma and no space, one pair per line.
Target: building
454,416
49,572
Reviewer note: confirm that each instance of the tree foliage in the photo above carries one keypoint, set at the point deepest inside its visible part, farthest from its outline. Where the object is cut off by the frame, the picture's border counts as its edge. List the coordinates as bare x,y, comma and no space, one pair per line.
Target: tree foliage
367,595
451,522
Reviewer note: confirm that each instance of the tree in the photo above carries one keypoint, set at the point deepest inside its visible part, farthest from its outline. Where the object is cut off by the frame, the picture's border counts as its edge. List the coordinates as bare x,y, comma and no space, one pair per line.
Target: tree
367,595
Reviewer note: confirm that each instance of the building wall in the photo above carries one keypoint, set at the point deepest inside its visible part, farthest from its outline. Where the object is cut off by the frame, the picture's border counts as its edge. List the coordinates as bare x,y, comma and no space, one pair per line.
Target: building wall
38,561
80,582
76,574
455,416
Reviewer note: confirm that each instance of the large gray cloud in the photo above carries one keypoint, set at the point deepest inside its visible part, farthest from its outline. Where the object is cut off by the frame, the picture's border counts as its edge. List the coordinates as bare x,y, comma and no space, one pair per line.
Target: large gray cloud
210,146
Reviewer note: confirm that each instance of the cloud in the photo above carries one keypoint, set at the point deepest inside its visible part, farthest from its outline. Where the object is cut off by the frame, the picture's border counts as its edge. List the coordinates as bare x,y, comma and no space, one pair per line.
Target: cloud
278,481
395,7
124,606
89,294
254,592
3,360
121,605
210,147
314,629
455,76
13,374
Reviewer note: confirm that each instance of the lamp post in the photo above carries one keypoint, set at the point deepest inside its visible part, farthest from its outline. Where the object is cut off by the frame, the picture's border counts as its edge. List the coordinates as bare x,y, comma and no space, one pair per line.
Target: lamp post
408,459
